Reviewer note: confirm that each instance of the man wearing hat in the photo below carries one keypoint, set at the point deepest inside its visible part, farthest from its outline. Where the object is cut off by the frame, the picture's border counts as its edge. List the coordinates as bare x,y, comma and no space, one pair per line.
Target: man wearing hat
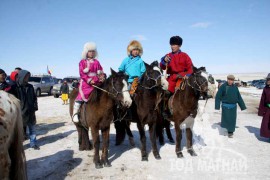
178,65
4,85
229,95
264,109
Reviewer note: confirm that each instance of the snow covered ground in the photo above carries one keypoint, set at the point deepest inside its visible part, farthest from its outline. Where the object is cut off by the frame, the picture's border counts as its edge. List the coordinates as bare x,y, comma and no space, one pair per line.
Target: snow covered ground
246,156
243,76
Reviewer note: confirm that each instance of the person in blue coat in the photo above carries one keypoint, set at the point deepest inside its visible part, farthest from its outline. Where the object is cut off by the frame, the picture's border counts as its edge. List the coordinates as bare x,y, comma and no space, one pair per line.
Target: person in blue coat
133,65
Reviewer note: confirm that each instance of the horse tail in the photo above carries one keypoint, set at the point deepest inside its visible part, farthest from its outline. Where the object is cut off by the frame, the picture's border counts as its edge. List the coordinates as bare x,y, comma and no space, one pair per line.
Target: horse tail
18,162
120,127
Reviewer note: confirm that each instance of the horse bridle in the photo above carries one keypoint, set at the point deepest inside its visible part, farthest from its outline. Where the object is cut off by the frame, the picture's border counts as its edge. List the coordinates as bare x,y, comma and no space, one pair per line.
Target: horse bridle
110,93
153,79
195,81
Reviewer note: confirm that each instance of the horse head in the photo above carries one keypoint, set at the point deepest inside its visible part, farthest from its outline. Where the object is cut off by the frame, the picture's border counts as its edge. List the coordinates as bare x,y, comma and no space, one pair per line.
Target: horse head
119,87
154,76
198,81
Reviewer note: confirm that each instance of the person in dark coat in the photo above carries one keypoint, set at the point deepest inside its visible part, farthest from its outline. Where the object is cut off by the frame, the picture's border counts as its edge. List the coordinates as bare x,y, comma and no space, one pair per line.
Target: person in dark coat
230,96
64,90
29,105
264,109
5,86
75,83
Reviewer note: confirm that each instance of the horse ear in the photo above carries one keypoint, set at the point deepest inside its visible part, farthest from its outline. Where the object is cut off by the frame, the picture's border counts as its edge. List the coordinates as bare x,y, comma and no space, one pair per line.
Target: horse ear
147,65
155,63
113,72
195,69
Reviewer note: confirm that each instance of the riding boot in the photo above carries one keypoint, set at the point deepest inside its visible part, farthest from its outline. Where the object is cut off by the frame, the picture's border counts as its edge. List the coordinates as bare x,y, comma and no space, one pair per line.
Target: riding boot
76,109
166,110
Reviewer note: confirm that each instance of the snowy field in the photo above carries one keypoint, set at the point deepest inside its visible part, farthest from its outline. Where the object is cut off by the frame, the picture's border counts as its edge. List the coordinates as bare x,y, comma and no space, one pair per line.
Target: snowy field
243,76
246,156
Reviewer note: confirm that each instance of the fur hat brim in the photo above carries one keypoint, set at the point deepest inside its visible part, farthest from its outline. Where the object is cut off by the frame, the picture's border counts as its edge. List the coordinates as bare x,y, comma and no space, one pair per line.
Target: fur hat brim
89,46
134,45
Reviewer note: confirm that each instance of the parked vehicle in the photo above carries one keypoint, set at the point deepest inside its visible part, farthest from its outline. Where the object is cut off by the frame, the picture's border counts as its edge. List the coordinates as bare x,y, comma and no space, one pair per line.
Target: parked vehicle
56,88
57,80
42,84
261,85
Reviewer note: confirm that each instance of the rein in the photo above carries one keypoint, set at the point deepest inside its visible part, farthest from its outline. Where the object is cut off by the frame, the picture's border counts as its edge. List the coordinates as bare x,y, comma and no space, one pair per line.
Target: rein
195,81
110,93
117,102
153,79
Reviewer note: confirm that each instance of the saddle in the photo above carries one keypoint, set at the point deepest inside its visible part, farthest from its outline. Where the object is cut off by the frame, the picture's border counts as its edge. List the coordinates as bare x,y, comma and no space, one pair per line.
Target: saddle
180,85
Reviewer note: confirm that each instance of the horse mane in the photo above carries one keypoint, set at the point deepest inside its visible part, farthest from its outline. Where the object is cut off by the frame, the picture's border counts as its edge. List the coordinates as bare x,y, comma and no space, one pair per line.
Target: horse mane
96,93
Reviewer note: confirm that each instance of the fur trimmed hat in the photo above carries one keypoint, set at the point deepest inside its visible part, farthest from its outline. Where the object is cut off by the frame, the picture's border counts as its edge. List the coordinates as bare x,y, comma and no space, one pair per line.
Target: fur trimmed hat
89,46
135,45
176,40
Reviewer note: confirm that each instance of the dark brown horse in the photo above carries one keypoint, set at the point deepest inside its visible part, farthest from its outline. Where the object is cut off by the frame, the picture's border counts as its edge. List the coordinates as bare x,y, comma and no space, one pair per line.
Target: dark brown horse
185,105
145,108
97,114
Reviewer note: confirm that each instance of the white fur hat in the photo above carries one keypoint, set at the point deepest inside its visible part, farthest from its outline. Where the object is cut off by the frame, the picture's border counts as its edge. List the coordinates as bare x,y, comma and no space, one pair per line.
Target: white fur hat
89,46
135,45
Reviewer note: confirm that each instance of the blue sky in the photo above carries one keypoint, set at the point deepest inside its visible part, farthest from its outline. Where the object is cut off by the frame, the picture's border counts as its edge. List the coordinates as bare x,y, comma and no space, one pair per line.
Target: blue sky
224,36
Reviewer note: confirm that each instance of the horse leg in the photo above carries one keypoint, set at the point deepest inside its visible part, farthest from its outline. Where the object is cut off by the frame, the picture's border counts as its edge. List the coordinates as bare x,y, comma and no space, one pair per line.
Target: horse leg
120,132
130,135
83,139
189,142
143,141
96,143
168,131
105,147
159,132
152,133
178,133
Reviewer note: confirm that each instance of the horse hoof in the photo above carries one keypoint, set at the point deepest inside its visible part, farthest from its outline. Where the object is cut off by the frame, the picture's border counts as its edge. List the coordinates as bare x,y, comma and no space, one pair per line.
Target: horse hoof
180,155
107,163
162,143
144,158
157,157
192,152
98,166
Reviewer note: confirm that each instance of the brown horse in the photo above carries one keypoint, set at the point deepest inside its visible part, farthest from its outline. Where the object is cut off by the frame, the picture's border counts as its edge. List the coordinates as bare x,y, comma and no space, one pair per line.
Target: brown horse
97,114
144,110
12,157
185,105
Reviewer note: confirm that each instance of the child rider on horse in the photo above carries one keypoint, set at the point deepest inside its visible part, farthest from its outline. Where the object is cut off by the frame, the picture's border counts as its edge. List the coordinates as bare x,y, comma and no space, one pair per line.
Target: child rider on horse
133,65
91,73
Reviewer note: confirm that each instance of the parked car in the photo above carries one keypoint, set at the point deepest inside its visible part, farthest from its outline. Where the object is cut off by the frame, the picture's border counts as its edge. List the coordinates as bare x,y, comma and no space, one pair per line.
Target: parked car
56,88
42,84
261,85
57,80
